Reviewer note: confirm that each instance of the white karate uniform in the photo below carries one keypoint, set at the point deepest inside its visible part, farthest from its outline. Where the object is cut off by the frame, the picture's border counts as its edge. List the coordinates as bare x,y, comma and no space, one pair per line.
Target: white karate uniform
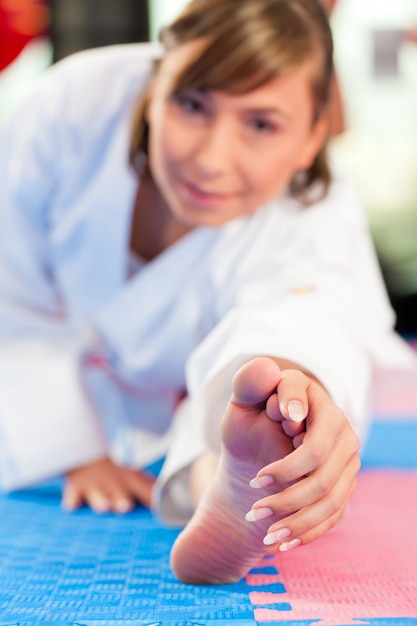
94,362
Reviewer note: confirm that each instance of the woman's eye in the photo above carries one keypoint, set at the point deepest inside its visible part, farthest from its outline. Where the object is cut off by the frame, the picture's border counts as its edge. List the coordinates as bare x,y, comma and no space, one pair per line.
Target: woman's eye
190,103
262,126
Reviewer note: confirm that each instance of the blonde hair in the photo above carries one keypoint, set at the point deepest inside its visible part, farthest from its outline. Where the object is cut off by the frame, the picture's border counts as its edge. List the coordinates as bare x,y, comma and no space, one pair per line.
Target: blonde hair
249,43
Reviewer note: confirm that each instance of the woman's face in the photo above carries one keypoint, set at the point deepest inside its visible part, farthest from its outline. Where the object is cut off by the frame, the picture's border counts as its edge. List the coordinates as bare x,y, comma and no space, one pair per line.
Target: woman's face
216,156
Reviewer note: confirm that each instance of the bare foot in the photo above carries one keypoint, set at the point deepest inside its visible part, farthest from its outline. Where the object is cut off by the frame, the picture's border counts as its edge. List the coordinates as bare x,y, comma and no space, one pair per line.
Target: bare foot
218,545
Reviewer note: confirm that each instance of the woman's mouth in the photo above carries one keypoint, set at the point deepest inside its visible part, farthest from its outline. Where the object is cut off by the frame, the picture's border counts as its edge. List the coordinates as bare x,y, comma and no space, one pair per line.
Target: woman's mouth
202,196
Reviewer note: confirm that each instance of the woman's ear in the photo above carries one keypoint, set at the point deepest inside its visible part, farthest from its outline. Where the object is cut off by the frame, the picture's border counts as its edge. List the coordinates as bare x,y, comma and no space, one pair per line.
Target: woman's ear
315,142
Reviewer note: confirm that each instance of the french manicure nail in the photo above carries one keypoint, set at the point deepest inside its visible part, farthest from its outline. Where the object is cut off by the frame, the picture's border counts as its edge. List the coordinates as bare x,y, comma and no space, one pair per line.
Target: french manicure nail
289,545
100,504
261,481
255,515
295,411
276,536
123,506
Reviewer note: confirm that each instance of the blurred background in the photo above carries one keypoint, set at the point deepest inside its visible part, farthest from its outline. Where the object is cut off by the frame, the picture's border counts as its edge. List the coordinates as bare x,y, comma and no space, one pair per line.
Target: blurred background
376,62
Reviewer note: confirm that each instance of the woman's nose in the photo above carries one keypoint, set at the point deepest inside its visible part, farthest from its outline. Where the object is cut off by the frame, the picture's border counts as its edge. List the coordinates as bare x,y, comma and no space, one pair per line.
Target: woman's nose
216,148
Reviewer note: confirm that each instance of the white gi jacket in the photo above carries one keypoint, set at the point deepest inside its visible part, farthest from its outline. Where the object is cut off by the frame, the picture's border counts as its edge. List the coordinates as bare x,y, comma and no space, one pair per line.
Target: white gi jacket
95,362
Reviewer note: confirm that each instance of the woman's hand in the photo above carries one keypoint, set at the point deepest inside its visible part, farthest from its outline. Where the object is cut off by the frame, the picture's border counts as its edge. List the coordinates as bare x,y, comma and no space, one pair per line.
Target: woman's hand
315,482
105,486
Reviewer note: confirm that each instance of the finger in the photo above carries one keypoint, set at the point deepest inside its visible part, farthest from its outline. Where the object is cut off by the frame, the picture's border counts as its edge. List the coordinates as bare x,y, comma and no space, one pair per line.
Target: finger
289,542
298,440
141,486
315,448
314,487
115,493
92,492
97,500
292,395
121,501
313,521
273,411
298,529
71,497
127,487
292,429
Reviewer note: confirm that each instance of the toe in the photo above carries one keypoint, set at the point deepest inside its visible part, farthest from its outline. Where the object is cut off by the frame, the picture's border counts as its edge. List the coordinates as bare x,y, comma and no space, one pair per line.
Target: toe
255,382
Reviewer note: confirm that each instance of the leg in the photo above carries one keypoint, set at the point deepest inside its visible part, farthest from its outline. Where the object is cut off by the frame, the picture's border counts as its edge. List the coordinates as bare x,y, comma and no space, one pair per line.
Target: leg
218,545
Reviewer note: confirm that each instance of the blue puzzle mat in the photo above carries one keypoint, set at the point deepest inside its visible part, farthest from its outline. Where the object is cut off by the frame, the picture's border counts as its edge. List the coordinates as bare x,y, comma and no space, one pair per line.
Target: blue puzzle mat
109,570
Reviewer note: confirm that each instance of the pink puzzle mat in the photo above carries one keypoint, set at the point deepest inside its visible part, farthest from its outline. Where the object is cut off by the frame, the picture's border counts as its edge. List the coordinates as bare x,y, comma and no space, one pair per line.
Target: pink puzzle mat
397,395
364,569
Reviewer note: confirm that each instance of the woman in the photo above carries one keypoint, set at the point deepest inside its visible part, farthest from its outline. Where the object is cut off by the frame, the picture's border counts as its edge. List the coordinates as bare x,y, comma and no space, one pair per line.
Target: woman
131,302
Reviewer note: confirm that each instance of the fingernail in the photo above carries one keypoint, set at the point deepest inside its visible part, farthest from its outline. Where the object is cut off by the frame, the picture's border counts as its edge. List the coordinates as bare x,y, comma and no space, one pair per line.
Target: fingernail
295,411
277,536
100,504
123,506
255,515
261,481
289,545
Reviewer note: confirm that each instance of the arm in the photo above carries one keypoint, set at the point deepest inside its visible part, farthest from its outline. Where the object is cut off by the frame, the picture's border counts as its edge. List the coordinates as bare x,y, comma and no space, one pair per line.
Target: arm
327,319
46,423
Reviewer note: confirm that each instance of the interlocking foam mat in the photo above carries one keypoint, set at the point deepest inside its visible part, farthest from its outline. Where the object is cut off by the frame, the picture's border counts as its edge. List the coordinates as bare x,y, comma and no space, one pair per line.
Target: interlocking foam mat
86,570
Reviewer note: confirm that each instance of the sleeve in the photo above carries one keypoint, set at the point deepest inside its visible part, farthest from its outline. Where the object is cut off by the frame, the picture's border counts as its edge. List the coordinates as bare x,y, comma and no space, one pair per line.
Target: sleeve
46,424
304,285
